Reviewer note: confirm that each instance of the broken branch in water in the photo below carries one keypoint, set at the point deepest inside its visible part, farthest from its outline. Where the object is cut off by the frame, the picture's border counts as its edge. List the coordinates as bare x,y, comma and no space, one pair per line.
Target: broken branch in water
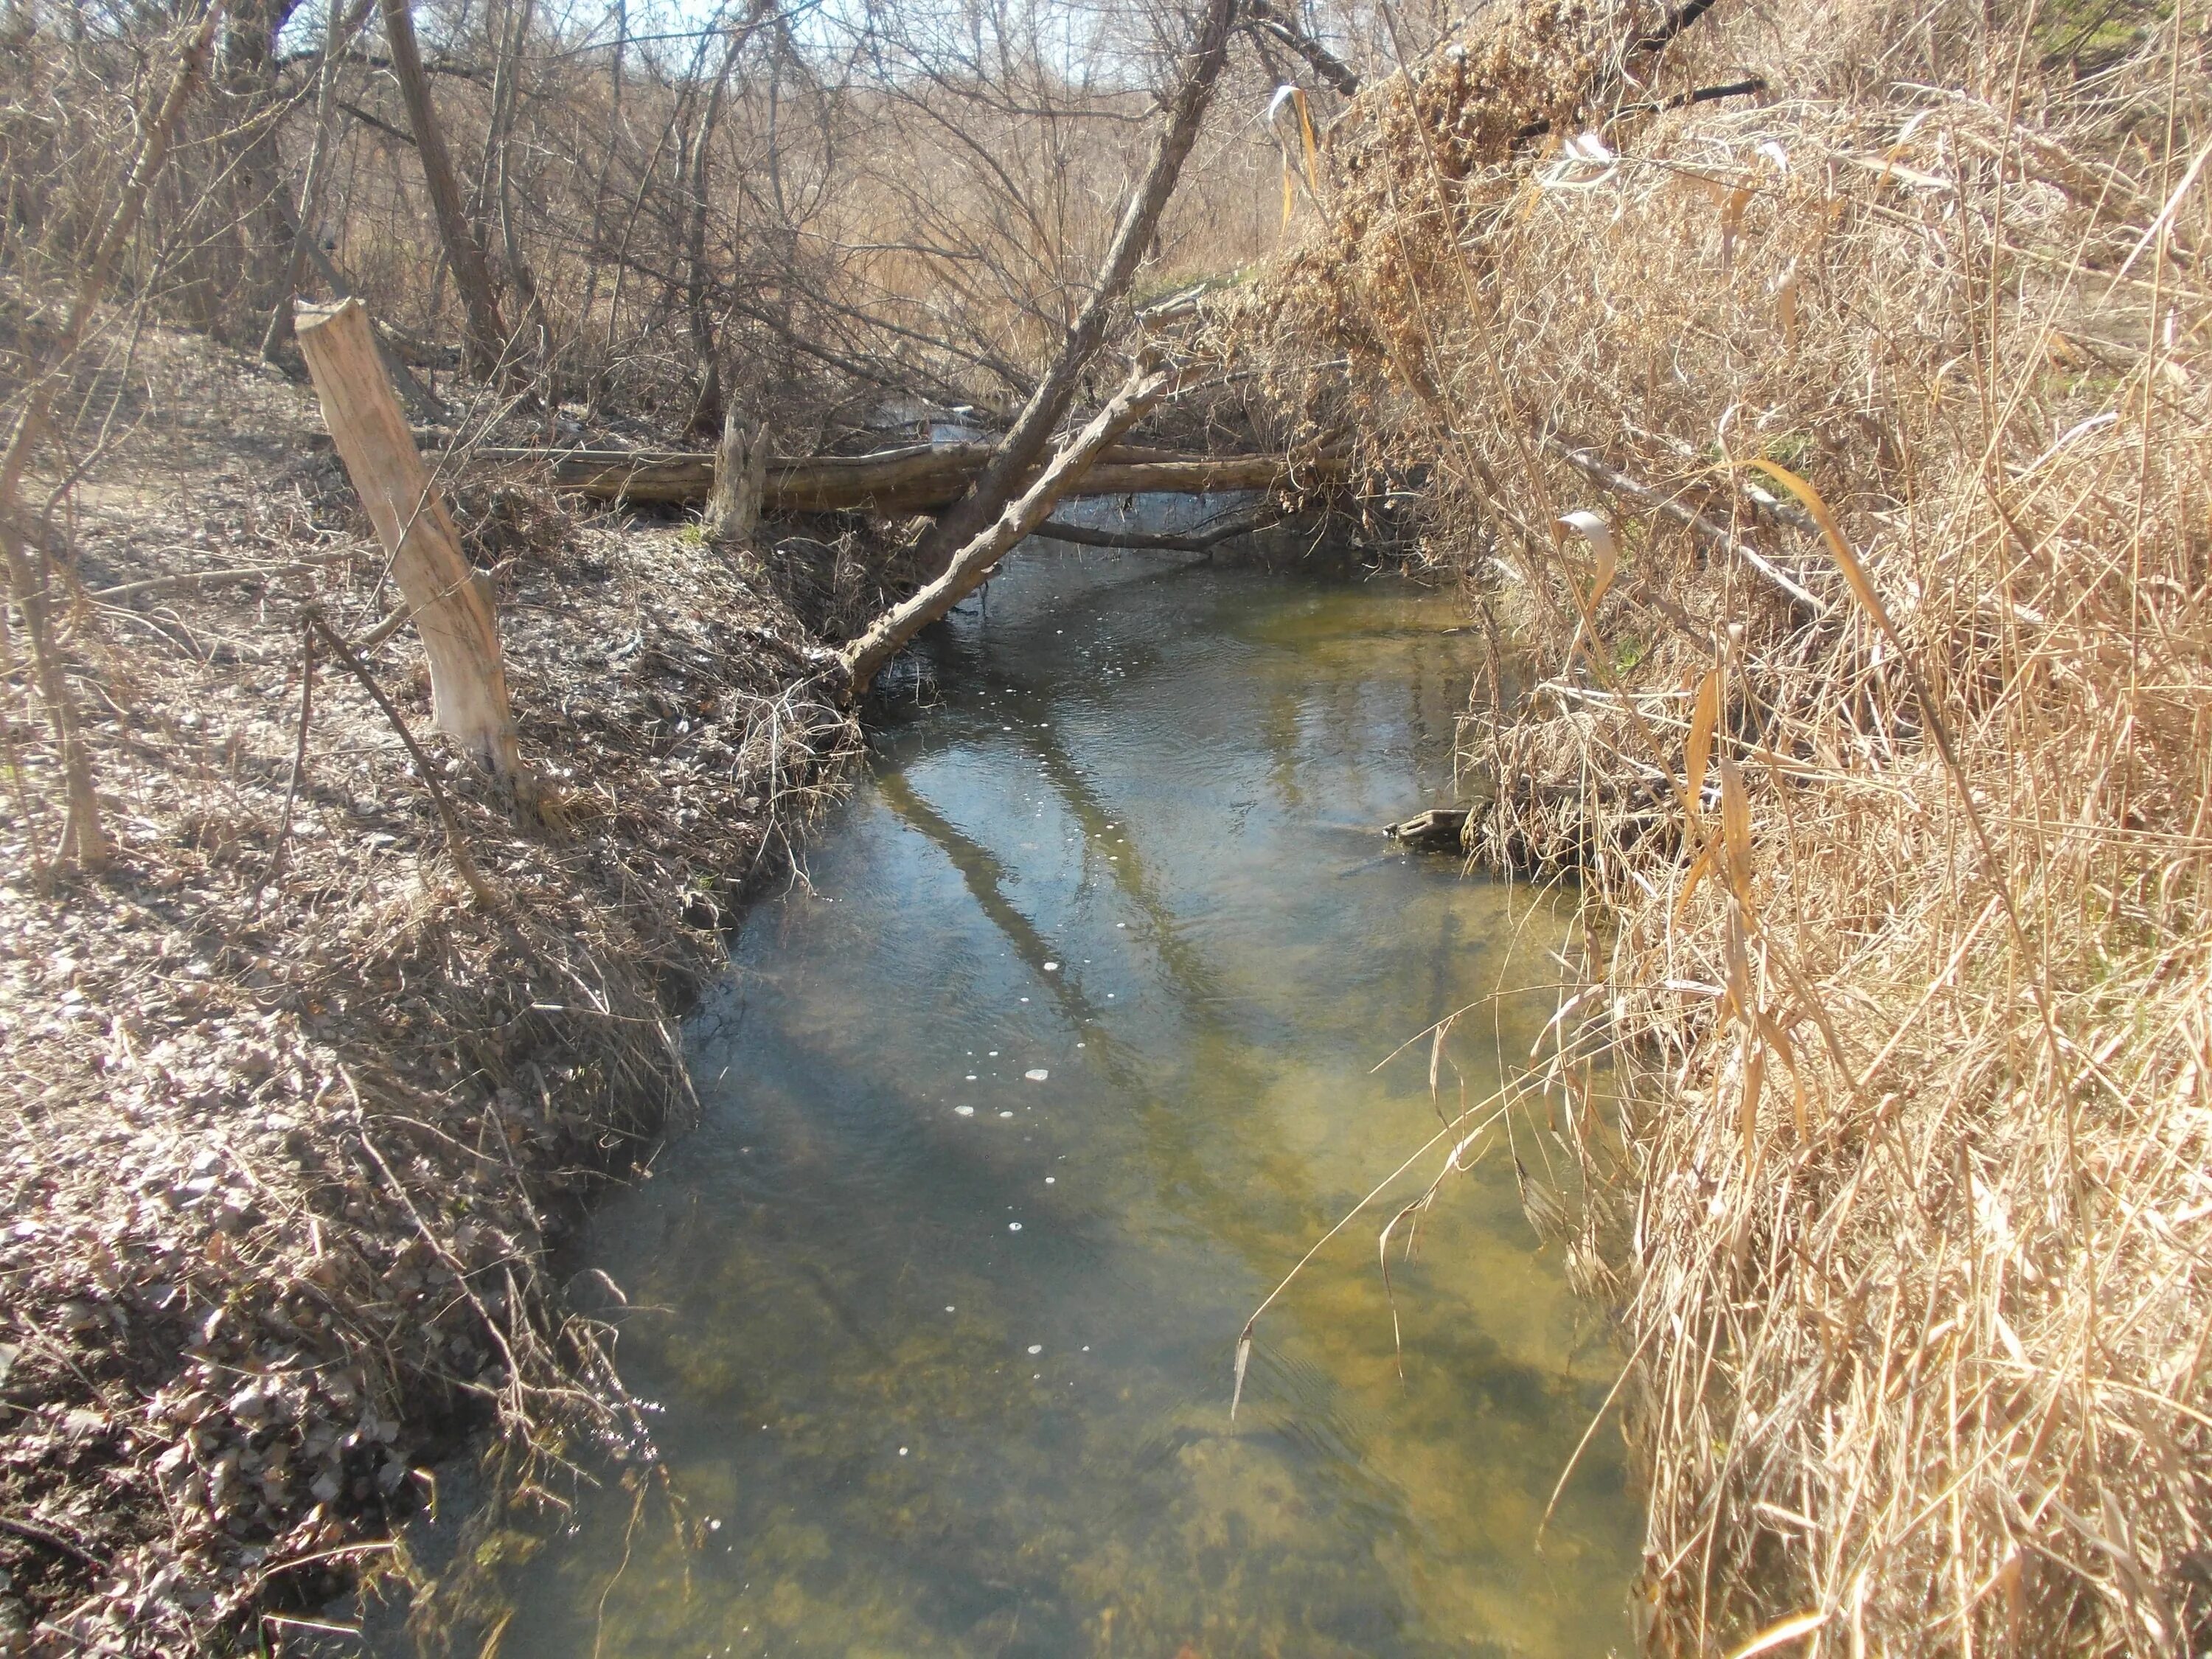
918,478
1203,540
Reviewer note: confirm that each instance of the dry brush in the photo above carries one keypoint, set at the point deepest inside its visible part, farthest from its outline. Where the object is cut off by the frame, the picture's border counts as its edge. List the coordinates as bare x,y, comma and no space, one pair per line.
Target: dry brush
1832,459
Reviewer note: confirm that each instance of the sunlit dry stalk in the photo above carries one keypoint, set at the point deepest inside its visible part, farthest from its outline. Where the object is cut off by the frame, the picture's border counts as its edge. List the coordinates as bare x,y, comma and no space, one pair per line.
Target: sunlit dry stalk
1900,942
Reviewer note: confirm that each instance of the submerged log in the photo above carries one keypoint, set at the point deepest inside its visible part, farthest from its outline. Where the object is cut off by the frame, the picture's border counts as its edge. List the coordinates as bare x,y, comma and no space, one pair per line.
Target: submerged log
920,479
1439,829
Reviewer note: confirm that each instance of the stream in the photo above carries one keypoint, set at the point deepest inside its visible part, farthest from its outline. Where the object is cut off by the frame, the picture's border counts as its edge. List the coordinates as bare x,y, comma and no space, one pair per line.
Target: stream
1077,1033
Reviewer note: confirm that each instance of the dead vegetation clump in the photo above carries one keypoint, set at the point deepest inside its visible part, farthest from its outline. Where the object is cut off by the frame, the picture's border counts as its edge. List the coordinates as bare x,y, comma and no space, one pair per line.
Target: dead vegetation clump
293,1118
1819,410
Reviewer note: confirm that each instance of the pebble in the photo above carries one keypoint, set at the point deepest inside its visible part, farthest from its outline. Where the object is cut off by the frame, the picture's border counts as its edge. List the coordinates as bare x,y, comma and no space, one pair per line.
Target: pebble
1036,1347
1036,1075
964,1111
1052,967
1013,1226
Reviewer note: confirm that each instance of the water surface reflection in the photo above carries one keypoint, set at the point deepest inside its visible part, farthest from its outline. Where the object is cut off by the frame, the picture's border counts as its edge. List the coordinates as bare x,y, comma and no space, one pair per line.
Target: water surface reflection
1015,1117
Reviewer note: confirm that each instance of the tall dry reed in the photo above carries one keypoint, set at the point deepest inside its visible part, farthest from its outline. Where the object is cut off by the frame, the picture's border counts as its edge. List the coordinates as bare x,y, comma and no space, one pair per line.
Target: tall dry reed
1832,463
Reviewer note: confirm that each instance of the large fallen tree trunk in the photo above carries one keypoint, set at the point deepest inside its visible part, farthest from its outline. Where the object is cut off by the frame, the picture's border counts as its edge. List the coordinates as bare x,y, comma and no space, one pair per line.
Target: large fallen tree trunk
920,479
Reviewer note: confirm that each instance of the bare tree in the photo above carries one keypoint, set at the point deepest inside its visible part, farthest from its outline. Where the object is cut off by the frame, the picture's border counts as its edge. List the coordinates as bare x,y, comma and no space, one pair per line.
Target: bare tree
83,838
486,333
706,407
1025,441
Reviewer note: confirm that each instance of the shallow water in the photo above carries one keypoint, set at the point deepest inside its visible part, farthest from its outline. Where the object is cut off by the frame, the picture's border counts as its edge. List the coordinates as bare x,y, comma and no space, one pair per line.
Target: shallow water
944,1381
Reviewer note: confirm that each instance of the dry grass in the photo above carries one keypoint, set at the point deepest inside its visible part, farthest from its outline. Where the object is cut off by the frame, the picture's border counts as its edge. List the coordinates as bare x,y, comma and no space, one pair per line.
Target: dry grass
1889,1074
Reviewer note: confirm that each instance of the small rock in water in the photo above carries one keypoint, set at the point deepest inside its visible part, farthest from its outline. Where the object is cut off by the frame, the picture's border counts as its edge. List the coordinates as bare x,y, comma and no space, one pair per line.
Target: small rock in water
1050,1180
1036,1075
1052,967
964,1111
1013,1226
1036,1347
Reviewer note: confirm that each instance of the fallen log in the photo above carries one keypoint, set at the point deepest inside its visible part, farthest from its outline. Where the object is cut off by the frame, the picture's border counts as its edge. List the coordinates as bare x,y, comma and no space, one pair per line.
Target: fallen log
919,479
1203,540
1437,828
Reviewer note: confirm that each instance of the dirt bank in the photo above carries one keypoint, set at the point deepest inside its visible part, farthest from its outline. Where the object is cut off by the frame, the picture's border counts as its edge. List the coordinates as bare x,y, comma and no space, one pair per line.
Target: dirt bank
291,1122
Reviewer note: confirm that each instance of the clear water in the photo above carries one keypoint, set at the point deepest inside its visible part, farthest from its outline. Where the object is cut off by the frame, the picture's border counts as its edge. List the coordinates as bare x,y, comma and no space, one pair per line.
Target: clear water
947,1382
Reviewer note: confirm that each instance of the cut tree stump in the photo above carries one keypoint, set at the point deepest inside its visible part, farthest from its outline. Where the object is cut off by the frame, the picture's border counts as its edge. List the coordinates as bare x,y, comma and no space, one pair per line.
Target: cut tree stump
449,602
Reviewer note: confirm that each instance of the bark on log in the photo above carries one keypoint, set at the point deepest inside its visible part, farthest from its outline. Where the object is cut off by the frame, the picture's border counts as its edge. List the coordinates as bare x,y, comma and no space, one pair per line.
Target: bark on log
975,561
1203,540
919,479
447,599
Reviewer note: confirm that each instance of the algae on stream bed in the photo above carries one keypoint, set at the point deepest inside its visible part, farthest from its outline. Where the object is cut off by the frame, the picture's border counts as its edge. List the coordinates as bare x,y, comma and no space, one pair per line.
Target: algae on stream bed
1011,1121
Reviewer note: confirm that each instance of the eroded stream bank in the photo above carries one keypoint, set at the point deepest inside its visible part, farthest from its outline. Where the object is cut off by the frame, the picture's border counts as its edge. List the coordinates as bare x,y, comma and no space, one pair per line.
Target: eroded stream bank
1070,1049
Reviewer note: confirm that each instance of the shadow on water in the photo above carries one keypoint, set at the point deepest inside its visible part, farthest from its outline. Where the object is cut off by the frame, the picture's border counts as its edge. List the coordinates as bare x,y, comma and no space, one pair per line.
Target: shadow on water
1070,1052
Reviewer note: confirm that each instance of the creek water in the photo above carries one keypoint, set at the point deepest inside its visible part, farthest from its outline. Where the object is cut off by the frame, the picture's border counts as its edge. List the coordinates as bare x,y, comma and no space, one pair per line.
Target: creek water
1078,1036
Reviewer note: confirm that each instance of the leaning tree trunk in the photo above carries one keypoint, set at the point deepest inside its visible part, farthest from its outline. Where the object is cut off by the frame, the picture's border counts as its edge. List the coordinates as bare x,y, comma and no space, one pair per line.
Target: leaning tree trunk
486,333
447,598
698,283
980,557
1026,440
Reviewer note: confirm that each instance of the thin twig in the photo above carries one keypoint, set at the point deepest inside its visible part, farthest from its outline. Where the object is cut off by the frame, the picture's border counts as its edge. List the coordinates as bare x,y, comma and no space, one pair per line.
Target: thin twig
456,841
299,765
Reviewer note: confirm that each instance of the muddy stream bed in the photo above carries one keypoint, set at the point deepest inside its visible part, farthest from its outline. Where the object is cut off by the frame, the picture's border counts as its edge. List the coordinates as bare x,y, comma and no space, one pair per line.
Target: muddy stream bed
1074,1043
